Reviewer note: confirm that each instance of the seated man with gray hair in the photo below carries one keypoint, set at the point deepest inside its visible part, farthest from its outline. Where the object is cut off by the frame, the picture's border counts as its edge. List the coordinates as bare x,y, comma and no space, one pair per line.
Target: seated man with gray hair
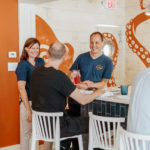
50,88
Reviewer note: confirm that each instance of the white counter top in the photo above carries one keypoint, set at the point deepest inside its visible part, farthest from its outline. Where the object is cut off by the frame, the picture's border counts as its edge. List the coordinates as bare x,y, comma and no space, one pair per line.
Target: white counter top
124,99
111,95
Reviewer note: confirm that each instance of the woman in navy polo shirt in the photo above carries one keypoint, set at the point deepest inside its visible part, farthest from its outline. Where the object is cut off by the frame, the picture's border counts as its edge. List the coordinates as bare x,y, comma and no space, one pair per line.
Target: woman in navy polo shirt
29,59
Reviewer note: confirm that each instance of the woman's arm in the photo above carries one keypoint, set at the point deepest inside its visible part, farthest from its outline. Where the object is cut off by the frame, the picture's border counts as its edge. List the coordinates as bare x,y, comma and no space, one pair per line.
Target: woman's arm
24,97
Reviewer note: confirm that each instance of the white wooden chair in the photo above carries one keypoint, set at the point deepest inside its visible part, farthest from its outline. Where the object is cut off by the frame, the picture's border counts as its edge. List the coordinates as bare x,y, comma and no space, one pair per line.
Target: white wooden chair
103,132
133,141
46,127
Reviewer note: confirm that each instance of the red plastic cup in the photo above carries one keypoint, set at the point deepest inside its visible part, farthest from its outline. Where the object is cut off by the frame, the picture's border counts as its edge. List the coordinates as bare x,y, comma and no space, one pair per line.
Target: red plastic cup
77,79
76,76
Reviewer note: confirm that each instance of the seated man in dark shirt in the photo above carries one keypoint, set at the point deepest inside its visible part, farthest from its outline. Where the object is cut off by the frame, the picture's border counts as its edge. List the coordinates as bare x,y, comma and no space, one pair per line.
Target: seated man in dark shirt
50,88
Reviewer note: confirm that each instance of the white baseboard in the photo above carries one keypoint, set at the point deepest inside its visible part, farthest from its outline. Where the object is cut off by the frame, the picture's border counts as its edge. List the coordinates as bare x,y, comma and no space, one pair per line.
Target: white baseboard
14,147
17,147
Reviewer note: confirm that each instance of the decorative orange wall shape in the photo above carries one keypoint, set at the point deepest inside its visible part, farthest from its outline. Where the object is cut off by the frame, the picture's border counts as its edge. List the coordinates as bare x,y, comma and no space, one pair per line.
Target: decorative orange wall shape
109,36
141,4
132,41
46,36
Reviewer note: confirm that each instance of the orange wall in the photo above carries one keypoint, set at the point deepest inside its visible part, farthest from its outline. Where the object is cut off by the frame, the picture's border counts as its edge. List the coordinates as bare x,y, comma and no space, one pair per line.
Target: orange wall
9,104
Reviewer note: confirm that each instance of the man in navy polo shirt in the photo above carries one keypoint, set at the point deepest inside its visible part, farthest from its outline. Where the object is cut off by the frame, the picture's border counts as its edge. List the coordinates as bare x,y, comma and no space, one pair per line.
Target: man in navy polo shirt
95,69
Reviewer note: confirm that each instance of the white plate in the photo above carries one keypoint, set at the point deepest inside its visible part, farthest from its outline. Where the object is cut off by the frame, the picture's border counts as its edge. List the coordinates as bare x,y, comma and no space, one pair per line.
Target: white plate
86,91
123,96
107,93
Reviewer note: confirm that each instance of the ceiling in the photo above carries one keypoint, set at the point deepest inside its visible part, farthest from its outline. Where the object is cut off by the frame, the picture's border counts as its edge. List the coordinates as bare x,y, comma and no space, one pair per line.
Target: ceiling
35,1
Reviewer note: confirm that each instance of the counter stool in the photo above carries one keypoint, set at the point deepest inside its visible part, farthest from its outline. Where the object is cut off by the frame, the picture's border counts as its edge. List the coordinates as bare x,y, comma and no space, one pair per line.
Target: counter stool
103,132
133,141
46,127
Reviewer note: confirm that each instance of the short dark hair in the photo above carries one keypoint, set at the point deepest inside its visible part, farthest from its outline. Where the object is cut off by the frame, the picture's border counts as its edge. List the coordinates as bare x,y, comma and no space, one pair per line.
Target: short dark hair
99,33
28,43
56,50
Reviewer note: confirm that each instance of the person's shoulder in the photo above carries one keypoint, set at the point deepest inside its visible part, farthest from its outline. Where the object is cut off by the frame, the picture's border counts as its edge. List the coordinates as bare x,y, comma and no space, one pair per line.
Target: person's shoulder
22,66
37,68
60,73
107,59
22,63
84,54
40,61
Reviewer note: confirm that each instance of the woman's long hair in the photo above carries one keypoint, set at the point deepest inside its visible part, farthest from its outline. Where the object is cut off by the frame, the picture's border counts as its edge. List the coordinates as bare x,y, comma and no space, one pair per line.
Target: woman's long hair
29,43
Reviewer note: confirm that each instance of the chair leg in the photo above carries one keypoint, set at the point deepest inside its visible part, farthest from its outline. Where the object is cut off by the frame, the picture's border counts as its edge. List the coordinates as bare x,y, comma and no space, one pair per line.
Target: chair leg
90,146
33,145
80,141
57,145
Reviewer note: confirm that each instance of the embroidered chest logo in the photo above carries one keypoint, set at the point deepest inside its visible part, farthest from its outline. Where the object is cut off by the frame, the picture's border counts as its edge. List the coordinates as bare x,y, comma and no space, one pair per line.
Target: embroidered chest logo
99,67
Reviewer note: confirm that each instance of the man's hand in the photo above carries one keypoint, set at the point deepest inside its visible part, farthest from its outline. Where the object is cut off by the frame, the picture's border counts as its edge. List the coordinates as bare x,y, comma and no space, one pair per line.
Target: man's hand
82,86
96,85
100,91
89,84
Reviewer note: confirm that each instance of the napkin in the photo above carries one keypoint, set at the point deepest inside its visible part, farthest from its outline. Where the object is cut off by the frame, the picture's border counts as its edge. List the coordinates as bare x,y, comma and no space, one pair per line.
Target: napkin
86,91
124,96
107,93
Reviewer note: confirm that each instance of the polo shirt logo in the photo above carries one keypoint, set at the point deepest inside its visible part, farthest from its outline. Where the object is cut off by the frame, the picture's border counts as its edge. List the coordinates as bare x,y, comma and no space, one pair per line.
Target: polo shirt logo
99,67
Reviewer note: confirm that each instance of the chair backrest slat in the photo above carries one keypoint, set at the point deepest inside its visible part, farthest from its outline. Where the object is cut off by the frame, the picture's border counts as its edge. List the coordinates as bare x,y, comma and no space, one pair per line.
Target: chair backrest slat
131,144
49,128
114,131
41,125
143,144
57,126
137,144
53,126
96,131
109,134
100,134
45,126
126,142
104,133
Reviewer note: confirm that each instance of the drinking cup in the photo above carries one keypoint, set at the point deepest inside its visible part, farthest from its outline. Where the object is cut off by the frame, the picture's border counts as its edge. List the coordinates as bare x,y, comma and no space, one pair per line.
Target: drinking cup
124,89
76,77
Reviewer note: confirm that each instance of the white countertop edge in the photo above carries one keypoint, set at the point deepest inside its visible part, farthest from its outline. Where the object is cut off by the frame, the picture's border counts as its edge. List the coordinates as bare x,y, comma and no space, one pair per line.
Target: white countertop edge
114,99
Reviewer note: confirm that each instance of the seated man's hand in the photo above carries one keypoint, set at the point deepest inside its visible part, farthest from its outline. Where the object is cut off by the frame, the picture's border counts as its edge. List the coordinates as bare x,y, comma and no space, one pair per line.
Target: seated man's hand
90,84
82,86
100,91
96,85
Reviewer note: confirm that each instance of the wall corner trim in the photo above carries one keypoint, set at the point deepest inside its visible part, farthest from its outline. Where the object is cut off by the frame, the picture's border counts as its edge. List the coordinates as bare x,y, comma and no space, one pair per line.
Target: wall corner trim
13,147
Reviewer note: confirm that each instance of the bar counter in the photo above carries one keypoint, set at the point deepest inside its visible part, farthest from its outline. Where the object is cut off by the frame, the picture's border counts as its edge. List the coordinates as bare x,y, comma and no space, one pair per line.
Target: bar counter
111,106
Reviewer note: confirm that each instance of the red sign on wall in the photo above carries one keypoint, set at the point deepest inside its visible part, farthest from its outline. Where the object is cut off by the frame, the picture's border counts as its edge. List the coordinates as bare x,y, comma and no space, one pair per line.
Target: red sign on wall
111,3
